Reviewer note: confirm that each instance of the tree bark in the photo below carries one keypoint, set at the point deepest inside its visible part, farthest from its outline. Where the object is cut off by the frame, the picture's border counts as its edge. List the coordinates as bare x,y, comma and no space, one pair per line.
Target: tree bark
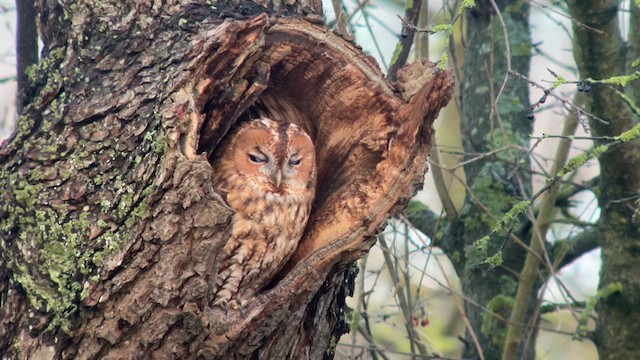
601,56
109,224
492,180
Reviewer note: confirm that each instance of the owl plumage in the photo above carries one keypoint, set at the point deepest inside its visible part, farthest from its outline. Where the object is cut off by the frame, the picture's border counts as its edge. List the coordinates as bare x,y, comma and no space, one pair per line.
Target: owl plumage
266,171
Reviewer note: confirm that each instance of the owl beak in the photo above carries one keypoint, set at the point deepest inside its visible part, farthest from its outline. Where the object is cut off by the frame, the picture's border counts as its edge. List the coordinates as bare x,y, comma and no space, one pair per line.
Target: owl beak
278,178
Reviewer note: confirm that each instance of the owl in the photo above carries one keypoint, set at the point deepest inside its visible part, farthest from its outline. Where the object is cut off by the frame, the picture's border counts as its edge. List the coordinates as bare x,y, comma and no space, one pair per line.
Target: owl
266,171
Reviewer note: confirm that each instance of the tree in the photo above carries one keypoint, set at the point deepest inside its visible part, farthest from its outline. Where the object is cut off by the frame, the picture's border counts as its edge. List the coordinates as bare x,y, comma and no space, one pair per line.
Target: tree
619,188
109,223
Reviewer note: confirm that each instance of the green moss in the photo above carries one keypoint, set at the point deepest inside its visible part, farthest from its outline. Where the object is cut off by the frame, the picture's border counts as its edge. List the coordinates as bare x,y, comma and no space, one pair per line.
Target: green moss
580,160
448,28
65,255
126,202
137,213
483,243
150,135
559,81
38,73
592,302
494,193
105,205
27,194
508,285
630,134
457,257
111,241
57,259
161,145
494,328
509,220
331,350
495,260
25,124
622,80
466,4
627,99
444,60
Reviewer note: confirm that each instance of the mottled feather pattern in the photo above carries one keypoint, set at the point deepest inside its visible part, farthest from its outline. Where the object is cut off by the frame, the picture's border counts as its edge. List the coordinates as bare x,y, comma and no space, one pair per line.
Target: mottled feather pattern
267,173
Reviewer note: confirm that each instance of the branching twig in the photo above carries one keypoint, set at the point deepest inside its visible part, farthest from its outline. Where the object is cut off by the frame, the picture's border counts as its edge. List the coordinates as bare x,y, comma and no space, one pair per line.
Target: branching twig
568,104
578,23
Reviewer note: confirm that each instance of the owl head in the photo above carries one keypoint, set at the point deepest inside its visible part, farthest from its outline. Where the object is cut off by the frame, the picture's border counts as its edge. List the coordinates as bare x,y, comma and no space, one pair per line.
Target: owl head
277,157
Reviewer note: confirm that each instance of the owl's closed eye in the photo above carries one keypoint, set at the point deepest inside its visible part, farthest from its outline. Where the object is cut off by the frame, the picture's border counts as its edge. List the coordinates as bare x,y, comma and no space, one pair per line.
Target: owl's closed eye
267,171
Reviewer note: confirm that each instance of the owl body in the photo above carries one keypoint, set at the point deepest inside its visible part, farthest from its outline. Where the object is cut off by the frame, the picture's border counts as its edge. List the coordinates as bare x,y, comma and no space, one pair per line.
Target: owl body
267,173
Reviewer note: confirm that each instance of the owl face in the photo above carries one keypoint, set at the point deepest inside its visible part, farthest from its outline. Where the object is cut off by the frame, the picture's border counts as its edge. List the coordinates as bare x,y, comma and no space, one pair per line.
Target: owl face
278,157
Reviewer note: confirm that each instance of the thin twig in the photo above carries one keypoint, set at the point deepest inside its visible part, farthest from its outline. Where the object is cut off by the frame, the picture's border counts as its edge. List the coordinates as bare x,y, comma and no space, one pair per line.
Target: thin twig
580,24
373,347
342,26
400,295
475,303
459,306
507,50
568,104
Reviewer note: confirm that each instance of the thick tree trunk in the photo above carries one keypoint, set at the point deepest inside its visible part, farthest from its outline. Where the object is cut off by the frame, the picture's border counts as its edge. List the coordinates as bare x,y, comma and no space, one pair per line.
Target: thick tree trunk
601,56
109,224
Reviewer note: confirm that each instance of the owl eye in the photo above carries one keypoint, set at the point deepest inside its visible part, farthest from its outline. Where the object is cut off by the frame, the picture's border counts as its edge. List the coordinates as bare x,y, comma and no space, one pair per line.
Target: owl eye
257,159
295,162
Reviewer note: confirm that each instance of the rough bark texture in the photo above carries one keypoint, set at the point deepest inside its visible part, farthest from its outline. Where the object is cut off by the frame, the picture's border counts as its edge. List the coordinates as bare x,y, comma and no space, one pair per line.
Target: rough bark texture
494,184
601,56
109,224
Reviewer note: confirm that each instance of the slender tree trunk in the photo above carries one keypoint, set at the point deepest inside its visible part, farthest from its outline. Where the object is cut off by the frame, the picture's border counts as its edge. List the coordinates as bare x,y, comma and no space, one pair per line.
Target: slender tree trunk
601,56
109,225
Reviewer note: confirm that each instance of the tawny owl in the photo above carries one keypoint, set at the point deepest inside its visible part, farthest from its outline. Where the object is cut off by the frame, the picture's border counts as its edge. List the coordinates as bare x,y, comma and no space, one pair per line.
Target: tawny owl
267,173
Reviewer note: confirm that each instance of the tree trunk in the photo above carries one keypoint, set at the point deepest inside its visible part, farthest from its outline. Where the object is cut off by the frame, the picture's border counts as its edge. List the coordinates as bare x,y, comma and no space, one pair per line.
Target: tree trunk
109,225
496,187
601,56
